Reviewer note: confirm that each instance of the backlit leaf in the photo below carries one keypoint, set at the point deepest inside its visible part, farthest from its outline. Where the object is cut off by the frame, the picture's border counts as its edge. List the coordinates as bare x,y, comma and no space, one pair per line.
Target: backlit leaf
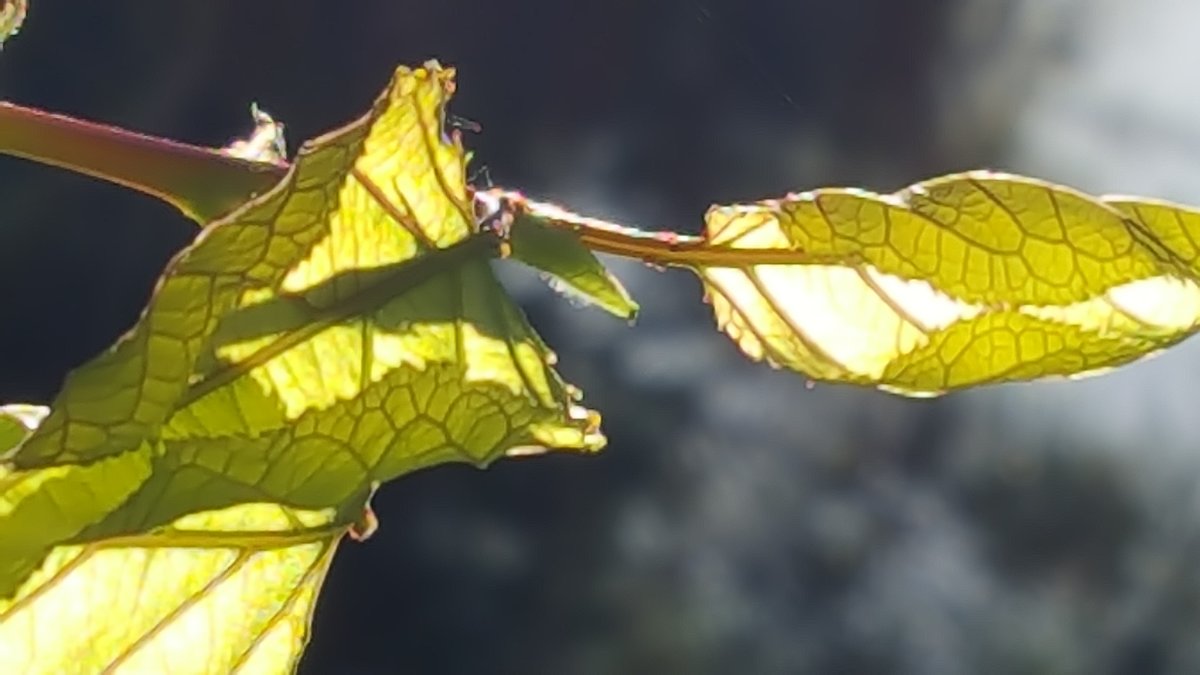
12,15
560,253
303,260
961,280
212,592
178,507
224,592
17,421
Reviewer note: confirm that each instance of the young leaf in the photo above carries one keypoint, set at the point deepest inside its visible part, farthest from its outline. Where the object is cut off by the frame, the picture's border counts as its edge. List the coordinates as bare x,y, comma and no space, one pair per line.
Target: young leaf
265,144
961,280
561,254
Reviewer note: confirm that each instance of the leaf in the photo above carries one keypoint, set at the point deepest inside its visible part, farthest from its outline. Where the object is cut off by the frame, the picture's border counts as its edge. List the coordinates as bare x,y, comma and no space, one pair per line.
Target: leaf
12,15
217,592
369,196
340,330
17,421
224,592
42,508
561,254
961,280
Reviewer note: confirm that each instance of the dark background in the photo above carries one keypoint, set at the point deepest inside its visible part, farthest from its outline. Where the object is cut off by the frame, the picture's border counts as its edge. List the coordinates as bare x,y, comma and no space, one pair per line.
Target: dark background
738,522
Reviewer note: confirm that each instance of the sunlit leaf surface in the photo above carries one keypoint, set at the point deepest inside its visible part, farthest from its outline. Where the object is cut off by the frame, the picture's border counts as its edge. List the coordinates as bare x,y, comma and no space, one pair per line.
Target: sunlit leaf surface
962,280
177,508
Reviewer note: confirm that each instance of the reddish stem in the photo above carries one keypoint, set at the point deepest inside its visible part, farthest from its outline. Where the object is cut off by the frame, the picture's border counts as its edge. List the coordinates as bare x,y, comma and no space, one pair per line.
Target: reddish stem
201,182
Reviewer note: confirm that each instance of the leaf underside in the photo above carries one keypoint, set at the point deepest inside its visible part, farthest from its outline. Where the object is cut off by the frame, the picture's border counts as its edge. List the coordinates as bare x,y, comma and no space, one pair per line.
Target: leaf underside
180,503
572,268
962,280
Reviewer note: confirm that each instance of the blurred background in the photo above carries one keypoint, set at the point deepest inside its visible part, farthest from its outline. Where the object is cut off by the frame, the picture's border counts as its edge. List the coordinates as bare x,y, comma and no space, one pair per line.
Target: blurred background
739,521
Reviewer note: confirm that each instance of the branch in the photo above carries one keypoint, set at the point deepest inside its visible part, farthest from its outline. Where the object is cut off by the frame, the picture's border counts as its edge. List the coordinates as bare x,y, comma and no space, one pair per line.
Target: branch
205,183
201,182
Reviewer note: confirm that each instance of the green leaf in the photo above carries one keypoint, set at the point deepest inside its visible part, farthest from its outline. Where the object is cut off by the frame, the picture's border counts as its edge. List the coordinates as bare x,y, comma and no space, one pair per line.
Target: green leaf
221,592
561,254
373,194
41,508
12,15
17,421
958,281
340,330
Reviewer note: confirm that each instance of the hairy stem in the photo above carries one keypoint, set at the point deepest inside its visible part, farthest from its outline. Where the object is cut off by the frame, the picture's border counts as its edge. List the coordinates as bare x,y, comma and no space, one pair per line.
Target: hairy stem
664,248
669,249
201,182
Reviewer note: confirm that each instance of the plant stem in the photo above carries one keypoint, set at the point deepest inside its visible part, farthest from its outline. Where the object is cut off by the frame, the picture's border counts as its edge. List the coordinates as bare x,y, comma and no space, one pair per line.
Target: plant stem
663,248
669,249
201,182
205,184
